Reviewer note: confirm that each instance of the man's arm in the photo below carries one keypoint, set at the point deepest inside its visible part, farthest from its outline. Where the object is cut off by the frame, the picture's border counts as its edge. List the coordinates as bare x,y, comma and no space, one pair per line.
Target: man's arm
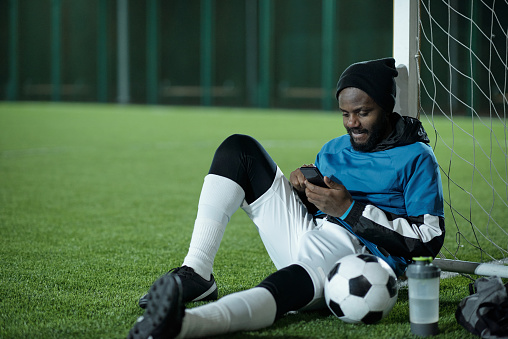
401,236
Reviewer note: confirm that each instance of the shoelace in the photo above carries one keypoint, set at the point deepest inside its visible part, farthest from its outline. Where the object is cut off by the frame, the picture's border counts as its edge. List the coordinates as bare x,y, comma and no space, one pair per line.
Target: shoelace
183,271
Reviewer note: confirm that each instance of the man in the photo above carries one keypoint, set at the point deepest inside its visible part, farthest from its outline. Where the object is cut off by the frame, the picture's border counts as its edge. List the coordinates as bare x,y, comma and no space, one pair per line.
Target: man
383,196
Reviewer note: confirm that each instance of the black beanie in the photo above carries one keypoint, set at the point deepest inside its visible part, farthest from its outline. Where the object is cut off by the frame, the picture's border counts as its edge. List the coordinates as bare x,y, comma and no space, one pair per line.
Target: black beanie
376,78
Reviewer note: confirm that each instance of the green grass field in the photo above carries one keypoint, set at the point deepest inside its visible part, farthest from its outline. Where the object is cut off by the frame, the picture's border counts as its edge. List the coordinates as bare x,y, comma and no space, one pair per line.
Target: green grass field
97,201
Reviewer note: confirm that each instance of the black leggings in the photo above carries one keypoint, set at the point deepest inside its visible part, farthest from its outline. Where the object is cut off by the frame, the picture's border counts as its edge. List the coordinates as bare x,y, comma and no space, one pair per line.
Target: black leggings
242,159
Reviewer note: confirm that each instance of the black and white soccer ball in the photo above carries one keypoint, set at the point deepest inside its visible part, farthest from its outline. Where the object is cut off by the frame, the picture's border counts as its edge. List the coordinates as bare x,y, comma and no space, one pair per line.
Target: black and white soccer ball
361,288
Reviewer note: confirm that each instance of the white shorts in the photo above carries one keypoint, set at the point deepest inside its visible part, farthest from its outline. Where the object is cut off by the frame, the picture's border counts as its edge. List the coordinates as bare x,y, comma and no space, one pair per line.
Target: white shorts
291,236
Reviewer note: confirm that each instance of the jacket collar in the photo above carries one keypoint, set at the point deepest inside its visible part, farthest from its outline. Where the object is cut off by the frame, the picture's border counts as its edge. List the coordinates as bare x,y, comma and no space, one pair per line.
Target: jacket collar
405,131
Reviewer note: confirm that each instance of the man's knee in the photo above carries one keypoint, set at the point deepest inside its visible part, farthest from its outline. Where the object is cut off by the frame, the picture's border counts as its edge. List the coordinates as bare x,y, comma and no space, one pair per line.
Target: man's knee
233,146
242,159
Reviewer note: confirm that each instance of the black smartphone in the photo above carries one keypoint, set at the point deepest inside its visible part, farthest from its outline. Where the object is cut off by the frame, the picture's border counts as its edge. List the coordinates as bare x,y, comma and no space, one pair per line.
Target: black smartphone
313,175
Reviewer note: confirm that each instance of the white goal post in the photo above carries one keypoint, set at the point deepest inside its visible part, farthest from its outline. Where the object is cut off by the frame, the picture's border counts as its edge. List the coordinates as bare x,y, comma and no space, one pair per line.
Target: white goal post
405,53
453,54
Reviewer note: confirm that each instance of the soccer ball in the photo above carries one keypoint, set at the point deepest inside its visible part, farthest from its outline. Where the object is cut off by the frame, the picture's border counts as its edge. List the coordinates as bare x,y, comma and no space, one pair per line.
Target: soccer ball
361,288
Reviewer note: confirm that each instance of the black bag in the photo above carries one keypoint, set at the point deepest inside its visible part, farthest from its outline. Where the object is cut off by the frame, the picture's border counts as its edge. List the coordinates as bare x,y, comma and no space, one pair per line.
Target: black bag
485,313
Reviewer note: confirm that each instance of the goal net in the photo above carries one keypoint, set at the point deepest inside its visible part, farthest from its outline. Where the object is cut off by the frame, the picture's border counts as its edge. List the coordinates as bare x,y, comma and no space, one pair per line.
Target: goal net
459,63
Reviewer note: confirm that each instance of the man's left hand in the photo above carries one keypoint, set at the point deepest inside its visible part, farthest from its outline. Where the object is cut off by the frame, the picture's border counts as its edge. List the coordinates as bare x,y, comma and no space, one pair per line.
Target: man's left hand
334,200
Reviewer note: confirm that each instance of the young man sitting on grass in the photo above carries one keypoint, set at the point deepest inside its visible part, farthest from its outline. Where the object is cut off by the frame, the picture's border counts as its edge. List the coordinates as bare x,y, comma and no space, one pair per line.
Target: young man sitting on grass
383,196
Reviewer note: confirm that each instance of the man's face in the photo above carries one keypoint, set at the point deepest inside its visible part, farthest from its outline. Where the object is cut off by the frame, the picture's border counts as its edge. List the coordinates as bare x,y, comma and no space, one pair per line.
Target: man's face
365,121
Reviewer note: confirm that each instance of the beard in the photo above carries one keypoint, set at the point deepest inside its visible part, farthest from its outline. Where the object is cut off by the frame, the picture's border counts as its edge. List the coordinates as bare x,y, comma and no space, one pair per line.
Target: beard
375,135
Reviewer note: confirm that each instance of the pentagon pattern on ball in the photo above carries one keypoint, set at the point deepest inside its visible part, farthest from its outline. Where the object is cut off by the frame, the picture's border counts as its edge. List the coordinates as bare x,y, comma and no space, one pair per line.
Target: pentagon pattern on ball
367,258
335,308
359,286
372,317
334,270
392,286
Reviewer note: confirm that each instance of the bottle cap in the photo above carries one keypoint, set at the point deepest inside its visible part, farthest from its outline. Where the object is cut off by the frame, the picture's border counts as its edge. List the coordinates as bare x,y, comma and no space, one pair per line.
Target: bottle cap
422,259
422,268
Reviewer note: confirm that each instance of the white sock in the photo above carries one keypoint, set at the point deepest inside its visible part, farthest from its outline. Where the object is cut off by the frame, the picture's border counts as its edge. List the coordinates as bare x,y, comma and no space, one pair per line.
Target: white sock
247,310
220,198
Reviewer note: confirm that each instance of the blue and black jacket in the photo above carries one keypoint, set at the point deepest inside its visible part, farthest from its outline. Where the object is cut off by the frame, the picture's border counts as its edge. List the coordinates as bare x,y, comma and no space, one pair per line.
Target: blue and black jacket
398,198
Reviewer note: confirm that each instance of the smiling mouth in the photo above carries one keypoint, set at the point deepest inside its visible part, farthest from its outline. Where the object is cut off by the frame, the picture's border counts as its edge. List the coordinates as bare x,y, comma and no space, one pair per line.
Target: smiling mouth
357,132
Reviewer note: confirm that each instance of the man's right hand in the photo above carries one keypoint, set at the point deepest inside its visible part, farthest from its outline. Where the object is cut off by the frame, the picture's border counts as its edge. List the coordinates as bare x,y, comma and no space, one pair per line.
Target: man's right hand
297,179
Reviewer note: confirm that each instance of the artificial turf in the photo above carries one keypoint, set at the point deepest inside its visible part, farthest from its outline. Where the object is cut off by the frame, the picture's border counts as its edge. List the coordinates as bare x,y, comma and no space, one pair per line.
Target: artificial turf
97,201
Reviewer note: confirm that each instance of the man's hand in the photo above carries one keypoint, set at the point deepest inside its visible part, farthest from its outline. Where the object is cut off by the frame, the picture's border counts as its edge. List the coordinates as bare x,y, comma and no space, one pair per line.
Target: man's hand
334,200
297,179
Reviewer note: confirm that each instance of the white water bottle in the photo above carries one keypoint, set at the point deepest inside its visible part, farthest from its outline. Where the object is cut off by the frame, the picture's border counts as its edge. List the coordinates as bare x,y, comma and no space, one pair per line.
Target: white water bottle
423,282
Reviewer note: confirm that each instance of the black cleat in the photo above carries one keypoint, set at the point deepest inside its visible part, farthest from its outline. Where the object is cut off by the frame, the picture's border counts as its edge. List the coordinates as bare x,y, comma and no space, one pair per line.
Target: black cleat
195,288
164,311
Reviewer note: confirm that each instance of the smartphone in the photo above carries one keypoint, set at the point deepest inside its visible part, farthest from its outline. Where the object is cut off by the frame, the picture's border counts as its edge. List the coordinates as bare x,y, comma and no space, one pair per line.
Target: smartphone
313,175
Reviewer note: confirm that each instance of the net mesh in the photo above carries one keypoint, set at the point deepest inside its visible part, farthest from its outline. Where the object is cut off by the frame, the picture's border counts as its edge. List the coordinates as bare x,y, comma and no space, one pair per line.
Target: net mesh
463,61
